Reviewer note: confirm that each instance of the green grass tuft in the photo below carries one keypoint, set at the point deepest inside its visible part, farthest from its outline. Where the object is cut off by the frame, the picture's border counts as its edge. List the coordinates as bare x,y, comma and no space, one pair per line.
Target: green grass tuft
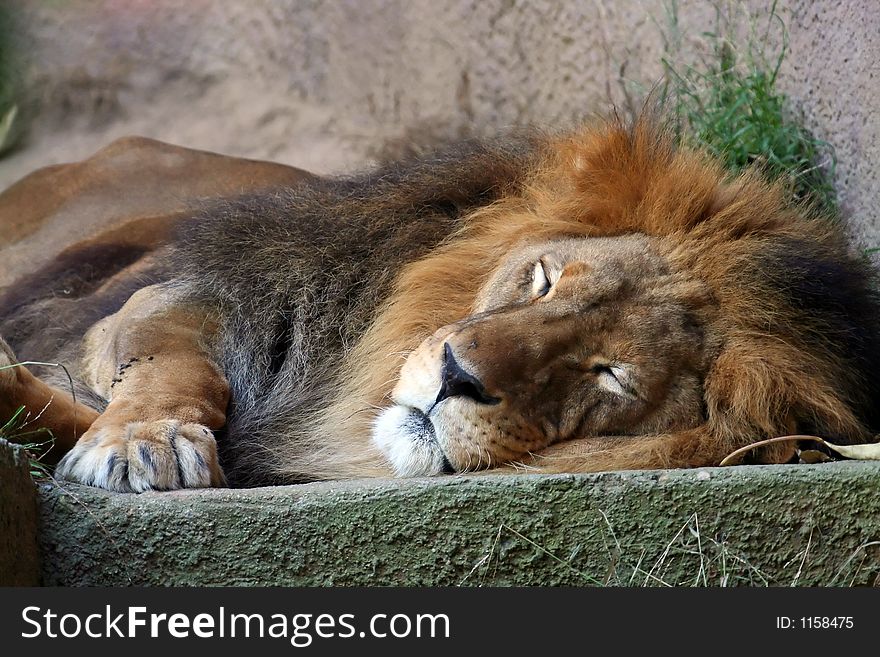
727,102
37,442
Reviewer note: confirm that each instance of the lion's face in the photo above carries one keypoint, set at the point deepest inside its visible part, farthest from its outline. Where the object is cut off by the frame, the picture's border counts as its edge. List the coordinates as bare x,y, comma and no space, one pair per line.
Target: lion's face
569,339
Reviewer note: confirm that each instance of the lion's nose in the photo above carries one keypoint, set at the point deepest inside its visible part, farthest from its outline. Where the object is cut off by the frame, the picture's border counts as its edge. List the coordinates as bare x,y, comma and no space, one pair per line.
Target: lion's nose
455,382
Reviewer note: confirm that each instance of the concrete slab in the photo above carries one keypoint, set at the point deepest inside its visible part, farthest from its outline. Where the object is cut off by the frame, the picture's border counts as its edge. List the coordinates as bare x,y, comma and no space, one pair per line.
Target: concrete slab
750,525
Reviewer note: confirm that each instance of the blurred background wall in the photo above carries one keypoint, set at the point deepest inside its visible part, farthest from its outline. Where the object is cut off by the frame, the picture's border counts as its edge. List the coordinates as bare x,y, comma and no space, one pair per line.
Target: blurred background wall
322,85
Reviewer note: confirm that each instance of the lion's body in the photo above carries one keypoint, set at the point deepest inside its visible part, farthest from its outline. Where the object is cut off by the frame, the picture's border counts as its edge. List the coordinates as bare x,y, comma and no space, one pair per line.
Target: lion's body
280,319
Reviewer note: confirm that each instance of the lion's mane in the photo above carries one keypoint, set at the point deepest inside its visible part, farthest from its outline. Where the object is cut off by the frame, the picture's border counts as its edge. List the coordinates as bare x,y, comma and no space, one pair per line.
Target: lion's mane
323,289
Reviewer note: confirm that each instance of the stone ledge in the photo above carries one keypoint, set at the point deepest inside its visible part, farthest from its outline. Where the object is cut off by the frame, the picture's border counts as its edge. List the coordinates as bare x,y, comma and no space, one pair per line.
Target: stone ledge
19,557
756,525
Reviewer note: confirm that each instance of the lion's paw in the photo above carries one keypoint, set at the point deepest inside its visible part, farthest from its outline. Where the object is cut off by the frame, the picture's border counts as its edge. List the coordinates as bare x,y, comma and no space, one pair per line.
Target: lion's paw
142,456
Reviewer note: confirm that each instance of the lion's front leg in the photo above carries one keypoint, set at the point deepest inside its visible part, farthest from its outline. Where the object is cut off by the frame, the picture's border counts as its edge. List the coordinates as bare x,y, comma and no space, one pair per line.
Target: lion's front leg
166,396
46,408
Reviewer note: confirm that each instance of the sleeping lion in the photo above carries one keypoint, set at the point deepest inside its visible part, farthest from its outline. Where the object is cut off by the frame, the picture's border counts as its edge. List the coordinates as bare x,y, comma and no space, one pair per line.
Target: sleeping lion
588,301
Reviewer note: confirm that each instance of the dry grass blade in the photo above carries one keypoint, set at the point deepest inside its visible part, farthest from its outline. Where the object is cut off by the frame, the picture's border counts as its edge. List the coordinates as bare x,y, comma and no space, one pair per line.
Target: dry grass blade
735,457
862,452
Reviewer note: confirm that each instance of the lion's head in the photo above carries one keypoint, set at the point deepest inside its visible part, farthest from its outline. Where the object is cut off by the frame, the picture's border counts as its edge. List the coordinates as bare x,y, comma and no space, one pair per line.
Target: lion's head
637,303
568,338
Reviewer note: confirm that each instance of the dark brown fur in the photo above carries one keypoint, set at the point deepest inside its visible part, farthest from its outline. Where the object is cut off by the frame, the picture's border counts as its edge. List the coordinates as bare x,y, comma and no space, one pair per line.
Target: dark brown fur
299,275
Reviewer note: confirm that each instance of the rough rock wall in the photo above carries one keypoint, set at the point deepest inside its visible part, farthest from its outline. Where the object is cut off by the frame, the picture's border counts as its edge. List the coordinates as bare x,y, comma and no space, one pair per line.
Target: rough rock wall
19,557
321,84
